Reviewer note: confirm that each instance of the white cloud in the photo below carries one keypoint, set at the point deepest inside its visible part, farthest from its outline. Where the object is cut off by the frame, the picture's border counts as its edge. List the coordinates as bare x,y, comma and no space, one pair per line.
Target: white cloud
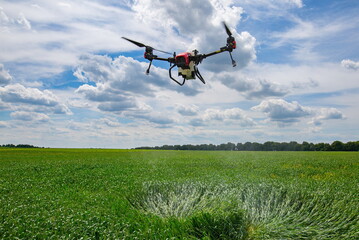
191,110
349,64
235,116
5,77
59,34
159,118
9,23
17,93
285,113
30,116
281,111
202,16
4,124
262,9
326,114
317,39
110,122
297,3
4,20
252,88
203,26
126,75
23,21
280,3
18,96
118,84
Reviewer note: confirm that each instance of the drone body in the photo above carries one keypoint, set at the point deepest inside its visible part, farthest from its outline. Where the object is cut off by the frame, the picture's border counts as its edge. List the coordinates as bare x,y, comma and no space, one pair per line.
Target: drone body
186,67
186,62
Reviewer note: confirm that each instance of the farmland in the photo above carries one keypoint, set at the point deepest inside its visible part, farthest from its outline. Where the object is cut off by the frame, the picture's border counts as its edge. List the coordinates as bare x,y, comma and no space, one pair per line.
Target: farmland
129,194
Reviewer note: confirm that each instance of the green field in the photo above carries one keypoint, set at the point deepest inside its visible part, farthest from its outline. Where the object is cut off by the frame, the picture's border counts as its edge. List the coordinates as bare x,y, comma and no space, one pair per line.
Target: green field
129,194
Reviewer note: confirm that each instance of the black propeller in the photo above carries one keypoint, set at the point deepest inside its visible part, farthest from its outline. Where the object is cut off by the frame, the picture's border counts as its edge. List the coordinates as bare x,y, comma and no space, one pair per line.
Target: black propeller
230,43
227,29
143,45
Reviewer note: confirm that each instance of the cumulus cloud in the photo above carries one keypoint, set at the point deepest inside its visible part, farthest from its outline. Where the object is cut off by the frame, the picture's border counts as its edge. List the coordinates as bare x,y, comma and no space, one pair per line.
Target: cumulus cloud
126,75
109,122
4,124
30,116
264,88
203,26
117,85
109,99
202,17
17,93
19,96
233,115
102,93
281,111
190,110
50,36
326,114
349,64
159,118
285,113
125,104
5,77
252,88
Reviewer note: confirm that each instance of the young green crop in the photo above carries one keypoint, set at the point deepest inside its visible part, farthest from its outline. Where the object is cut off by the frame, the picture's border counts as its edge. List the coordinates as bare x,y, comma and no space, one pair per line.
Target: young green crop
127,194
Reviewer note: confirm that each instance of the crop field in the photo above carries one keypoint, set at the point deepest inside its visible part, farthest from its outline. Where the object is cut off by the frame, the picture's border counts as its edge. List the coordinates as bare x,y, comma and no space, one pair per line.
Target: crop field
138,194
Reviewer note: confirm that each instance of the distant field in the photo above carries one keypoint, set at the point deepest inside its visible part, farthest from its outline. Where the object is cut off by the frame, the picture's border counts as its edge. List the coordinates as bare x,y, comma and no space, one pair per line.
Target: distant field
129,194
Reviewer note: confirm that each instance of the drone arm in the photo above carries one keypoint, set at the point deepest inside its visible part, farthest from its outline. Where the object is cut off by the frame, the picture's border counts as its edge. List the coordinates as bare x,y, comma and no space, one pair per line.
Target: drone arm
171,60
214,53
228,49
151,57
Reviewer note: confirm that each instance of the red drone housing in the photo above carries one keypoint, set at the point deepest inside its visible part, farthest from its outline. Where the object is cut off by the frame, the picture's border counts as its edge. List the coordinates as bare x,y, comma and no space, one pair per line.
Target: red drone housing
183,59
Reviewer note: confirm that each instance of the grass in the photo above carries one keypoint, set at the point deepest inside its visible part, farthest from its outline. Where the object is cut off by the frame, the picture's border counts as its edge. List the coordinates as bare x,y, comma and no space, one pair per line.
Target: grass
129,194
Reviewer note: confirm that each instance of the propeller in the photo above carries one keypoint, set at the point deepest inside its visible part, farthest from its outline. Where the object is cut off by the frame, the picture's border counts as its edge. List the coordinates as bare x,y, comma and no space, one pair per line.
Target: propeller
231,43
227,29
143,45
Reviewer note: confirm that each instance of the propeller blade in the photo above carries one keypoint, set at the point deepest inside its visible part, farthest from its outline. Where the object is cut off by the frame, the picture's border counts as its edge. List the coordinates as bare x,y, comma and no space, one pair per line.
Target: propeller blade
143,45
134,42
227,29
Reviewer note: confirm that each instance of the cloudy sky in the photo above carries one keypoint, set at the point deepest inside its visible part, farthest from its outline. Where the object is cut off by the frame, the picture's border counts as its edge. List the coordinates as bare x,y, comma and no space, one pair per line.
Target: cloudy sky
68,79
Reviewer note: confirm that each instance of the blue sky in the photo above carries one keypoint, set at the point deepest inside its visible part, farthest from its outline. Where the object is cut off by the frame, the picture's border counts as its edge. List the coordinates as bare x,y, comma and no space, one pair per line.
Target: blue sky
68,79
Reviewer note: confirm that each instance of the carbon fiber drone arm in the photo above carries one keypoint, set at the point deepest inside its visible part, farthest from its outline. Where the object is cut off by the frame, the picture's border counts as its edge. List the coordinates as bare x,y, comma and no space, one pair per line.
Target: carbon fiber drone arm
170,60
223,49
228,48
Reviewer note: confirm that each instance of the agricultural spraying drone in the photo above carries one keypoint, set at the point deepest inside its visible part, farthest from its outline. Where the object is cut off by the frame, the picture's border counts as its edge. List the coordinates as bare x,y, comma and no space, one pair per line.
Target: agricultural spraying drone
187,62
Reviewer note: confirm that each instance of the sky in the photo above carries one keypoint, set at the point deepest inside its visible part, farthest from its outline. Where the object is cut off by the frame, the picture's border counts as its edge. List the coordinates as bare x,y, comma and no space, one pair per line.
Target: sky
68,79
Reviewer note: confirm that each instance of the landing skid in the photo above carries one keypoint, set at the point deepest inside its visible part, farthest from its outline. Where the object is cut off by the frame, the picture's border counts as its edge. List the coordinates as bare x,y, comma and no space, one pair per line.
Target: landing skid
196,71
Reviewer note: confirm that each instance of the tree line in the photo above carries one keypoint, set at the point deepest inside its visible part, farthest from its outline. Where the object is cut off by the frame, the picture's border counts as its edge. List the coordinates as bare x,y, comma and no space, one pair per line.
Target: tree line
267,146
18,146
